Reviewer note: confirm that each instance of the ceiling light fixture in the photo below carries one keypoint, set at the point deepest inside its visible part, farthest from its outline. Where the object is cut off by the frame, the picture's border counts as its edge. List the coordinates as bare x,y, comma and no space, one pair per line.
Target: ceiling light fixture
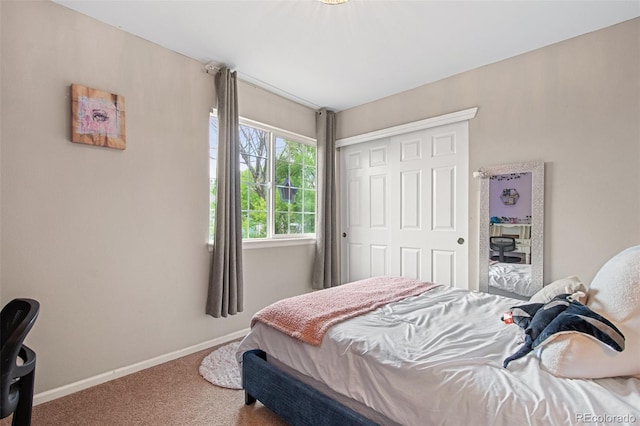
334,1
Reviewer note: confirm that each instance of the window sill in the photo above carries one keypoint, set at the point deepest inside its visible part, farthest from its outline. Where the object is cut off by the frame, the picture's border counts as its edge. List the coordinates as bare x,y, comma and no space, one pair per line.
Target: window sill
280,242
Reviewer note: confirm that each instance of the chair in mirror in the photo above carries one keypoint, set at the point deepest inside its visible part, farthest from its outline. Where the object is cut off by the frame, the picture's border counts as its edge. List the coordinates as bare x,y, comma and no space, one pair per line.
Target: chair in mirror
511,229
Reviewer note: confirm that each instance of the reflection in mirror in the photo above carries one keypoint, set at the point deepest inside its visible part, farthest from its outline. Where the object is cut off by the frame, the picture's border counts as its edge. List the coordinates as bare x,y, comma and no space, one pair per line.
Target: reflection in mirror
511,229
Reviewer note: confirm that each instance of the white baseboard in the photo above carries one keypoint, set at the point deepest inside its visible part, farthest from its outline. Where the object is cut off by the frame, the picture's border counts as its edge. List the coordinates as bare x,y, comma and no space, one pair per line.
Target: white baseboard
123,371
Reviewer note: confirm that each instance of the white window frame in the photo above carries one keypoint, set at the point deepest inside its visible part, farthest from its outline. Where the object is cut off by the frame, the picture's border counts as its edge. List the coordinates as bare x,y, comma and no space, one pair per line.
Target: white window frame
273,239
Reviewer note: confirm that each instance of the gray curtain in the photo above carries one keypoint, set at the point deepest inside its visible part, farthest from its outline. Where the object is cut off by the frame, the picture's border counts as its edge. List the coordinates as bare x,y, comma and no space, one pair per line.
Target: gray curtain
325,268
225,276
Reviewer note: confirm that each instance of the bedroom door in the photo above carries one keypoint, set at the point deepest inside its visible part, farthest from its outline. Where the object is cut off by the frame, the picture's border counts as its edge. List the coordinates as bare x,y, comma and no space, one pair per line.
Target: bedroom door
404,206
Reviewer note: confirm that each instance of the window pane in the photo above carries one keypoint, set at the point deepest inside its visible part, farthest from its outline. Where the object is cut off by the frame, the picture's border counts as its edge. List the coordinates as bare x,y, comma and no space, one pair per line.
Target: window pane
296,206
295,171
257,224
309,177
245,224
245,195
296,152
213,161
282,153
286,195
295,223
309,201
310,156
295,175
258,198
293,180
254,148
253,141
212,221
254,209
309,223
282,172
289,223
213,145
281,222
253,169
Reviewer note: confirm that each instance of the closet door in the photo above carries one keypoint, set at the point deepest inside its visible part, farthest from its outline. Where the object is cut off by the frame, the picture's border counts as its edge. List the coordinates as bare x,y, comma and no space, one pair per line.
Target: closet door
404,206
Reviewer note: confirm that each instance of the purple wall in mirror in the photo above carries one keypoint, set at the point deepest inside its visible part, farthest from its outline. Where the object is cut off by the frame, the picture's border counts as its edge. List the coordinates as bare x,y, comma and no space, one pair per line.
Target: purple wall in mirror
522,208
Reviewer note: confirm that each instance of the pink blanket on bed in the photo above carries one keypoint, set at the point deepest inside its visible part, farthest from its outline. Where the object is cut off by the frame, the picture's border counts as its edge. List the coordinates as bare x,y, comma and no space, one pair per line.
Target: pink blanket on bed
308,317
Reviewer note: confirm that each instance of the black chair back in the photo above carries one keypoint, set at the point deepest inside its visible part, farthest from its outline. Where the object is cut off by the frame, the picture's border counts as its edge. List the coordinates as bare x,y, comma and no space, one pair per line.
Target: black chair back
17,378
503,245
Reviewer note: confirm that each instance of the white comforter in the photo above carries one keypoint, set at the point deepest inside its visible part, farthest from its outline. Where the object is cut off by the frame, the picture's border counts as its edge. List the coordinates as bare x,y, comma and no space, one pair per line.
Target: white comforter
437,359
513,277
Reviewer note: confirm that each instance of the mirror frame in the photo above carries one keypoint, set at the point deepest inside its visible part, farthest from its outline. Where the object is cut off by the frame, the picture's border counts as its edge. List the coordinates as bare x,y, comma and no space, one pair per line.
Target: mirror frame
536,168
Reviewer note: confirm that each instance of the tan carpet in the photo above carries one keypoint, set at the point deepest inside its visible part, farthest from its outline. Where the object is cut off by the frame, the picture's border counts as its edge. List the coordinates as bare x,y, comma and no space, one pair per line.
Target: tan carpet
173,393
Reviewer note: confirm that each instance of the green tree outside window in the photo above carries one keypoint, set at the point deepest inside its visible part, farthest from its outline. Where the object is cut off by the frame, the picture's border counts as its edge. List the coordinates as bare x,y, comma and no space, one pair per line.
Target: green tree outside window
294,176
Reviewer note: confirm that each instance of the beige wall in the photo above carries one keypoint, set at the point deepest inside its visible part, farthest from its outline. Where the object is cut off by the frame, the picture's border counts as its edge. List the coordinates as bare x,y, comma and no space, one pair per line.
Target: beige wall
574,105
113,243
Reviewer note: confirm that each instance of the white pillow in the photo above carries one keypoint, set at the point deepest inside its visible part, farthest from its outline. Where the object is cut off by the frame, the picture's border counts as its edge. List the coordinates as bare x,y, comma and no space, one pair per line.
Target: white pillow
576,356
568,285
614,293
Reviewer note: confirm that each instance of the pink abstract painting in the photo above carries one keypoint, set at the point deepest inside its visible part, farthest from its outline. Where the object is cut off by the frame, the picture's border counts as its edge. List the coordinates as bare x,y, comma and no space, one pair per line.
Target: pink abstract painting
97,117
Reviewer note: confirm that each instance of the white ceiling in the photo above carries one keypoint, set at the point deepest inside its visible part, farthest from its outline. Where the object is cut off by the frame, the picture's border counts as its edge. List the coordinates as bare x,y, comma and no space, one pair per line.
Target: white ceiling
346,55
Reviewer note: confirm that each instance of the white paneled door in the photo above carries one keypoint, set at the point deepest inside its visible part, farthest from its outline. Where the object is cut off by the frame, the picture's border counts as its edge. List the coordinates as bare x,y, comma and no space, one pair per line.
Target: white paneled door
404,206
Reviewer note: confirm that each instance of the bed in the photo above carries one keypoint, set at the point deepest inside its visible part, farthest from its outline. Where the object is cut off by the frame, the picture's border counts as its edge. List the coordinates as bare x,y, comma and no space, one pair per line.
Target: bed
436,358
511,277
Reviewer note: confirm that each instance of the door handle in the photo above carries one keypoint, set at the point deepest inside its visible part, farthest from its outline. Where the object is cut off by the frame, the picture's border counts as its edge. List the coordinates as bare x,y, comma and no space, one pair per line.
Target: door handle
344,235
461,241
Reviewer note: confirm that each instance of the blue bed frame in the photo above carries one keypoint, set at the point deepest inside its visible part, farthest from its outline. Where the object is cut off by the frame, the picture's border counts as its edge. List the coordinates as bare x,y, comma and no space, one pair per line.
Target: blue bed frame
296,402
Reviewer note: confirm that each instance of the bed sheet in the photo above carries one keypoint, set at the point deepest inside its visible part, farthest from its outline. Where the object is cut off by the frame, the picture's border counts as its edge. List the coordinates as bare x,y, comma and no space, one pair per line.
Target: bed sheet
512,277
437,359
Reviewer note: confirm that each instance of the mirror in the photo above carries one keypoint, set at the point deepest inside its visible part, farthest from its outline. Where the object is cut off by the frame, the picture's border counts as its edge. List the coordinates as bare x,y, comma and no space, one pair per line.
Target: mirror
511,229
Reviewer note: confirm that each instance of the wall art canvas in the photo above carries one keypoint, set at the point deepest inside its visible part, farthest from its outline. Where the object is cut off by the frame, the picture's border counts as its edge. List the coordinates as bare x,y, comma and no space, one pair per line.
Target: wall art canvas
97,117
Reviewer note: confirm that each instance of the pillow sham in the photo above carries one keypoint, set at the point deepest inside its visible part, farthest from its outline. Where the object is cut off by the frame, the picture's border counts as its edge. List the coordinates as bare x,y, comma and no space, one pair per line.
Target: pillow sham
615,294
569,285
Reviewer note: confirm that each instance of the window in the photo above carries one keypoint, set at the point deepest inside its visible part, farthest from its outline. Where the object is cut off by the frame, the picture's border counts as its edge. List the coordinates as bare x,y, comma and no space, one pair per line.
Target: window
277,182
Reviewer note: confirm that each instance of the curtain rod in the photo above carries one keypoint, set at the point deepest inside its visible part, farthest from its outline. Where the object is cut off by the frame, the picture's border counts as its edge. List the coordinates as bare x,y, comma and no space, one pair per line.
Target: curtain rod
213,68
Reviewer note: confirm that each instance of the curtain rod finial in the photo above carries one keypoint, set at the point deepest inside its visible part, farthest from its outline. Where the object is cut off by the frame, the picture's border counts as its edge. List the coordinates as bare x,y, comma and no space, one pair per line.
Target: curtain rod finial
212,68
